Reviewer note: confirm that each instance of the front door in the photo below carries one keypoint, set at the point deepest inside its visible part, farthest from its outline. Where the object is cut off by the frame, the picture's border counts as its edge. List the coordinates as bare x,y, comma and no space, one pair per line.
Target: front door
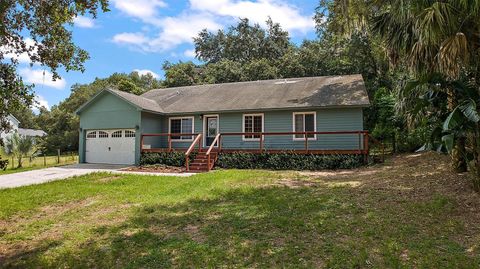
211,129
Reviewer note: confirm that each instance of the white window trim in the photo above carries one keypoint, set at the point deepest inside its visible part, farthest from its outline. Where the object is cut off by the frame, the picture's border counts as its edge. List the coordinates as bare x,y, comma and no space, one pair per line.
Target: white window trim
314,125
179,118
243,126
204,127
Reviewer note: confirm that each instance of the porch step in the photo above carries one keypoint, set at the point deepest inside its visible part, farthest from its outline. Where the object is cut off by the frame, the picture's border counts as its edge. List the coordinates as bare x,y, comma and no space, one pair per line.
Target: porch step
200,163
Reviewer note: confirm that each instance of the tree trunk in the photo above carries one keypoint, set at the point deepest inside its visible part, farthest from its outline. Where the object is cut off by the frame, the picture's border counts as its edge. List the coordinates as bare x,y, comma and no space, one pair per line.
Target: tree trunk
459,162
458,155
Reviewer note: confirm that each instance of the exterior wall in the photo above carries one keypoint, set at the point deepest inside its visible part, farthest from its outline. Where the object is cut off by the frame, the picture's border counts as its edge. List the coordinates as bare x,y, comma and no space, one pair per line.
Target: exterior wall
109,112
152,123
341,119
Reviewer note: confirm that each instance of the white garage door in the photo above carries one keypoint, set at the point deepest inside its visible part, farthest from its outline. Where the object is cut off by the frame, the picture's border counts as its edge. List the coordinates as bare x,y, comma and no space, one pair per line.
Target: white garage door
110,146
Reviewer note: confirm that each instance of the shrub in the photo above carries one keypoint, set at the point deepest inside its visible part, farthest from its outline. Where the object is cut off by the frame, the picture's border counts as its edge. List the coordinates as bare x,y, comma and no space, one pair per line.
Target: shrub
175,158
275,161
287,161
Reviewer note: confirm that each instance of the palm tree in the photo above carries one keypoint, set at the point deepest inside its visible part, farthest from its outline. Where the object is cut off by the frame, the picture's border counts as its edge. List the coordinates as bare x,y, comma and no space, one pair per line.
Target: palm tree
19,146
434,37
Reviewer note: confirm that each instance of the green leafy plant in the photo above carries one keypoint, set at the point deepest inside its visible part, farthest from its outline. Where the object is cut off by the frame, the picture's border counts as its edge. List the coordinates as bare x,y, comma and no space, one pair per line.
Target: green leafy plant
287,161
174,158
19,146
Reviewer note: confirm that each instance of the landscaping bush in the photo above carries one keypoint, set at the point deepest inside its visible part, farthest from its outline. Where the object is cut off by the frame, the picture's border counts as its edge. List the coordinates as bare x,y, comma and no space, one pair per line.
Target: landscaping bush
275,161
175,158
287,161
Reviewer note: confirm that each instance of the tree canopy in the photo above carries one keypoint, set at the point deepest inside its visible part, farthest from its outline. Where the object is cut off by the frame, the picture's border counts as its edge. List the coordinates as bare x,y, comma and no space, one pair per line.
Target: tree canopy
38,30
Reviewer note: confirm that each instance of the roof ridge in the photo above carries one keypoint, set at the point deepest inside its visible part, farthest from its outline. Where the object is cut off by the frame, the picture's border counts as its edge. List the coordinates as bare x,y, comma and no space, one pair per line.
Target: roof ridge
244,82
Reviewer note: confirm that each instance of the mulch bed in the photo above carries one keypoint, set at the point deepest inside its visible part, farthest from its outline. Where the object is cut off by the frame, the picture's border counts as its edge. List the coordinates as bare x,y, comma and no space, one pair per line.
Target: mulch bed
157,168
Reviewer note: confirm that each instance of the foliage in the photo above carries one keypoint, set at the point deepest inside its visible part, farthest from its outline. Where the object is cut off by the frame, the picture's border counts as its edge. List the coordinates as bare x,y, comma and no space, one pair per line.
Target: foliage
181,74
14,94
49,44
174,158
19,146
242,43
287,161
3,164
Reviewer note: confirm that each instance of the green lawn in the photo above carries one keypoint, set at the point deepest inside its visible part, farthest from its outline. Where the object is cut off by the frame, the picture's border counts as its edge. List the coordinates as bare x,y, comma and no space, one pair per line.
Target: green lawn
408,213
37,163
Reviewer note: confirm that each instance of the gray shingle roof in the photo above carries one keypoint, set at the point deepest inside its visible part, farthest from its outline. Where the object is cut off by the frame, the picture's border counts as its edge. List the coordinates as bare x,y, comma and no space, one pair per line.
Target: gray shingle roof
139,101
328,91
31,132
292,93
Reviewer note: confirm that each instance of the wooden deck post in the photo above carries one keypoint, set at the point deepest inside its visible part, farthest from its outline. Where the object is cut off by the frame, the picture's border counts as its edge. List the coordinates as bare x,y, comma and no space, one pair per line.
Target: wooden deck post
305,135
365,146
261,142
169,142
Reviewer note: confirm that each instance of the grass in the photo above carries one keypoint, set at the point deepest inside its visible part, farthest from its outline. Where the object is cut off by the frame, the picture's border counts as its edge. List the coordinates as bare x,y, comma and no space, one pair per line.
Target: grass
37,163
409,213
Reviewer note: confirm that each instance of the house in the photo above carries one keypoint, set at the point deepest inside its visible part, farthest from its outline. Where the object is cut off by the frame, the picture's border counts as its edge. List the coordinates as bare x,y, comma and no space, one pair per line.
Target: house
14,124
310,115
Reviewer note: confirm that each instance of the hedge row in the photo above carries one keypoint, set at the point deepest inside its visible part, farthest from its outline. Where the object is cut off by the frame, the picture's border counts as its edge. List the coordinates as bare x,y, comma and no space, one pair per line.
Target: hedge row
175,158
288,161
274,161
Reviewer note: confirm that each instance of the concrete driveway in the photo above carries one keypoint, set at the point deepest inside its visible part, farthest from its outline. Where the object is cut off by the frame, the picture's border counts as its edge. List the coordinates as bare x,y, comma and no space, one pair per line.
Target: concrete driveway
62,172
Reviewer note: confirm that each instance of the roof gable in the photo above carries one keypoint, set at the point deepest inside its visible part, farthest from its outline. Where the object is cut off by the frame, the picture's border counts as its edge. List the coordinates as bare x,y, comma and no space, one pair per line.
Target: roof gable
136,101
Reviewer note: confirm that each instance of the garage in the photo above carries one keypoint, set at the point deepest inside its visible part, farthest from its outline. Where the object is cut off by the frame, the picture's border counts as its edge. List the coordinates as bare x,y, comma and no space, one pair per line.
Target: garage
110,146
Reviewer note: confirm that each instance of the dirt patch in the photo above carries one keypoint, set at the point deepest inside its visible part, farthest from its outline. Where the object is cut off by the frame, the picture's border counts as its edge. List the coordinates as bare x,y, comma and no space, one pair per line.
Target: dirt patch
418,178
108,179
158,168
295,183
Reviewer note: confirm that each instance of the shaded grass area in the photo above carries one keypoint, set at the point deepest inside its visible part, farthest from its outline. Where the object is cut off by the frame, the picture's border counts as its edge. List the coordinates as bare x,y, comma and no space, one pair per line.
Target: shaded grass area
401,215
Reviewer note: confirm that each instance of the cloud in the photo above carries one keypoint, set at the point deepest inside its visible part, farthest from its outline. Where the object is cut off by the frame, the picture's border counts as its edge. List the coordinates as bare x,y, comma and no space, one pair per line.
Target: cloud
145,10
189,53
138,39
289,16
143,72
203,14
22,57
83,22
41,77
40,102
174,31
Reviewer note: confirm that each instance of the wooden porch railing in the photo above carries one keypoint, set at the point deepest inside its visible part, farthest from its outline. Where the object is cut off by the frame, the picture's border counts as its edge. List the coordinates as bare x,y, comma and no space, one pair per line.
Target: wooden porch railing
197,140
215,141
363,138
363,143
169,139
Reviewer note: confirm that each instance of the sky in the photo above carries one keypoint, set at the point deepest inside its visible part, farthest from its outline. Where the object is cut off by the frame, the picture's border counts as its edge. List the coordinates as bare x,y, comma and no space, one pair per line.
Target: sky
140,35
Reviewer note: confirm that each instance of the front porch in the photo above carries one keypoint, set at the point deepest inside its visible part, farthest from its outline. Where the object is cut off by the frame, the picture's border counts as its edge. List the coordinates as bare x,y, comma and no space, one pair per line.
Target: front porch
208,148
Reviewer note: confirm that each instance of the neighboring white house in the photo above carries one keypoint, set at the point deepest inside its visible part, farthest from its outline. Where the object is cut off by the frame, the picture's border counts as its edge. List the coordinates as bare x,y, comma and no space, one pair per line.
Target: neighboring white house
14,123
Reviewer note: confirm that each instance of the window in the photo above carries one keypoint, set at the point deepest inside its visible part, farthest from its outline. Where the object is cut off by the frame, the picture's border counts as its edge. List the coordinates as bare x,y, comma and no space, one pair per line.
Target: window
92,134
304,122
117,134
181,126
252,123
129,133
102,134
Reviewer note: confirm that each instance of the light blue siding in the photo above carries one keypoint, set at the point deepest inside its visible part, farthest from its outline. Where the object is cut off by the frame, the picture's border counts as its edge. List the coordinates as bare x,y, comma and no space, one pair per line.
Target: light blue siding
344,119
341,119
109,112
